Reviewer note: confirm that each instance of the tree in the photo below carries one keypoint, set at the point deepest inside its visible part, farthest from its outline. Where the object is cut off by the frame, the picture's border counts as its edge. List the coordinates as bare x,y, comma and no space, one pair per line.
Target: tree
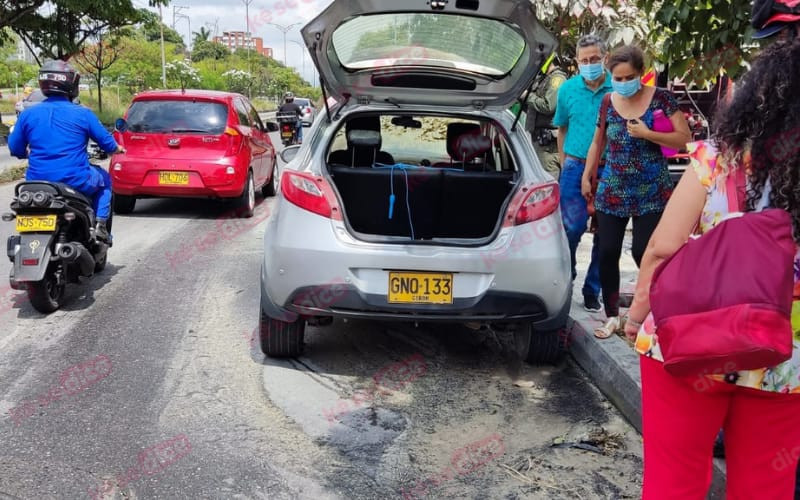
151,26
96,58
182,74
238,80
11,11
60,31
209,50
201,36
700,37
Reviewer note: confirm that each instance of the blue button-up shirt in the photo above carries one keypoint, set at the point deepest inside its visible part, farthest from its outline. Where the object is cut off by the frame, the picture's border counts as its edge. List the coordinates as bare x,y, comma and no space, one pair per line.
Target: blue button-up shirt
57,132
577,109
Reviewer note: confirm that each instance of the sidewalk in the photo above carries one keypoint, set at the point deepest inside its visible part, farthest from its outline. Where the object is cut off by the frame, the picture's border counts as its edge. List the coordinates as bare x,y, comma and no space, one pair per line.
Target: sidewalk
612,363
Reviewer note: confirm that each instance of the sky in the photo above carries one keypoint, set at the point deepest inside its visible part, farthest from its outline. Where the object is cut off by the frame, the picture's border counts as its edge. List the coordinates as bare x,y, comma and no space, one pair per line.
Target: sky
229,15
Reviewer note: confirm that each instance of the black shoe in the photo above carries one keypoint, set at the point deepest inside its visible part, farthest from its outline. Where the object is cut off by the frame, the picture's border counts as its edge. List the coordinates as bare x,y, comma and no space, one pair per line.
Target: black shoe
101,232
591,304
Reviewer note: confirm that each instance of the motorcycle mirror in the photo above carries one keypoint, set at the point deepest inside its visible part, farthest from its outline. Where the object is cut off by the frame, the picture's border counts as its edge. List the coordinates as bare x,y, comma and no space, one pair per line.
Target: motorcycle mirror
9,217
121,125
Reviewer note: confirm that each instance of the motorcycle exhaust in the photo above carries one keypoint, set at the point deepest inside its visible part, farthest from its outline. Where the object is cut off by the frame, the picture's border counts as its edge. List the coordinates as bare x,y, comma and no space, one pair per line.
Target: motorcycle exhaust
75,253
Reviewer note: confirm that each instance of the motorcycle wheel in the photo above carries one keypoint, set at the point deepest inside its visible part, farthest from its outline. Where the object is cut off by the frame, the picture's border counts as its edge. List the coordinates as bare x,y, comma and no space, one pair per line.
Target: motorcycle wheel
46,295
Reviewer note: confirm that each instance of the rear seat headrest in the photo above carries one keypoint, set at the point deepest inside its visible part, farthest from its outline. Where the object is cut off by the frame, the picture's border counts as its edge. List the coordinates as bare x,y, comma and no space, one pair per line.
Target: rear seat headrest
363,123
456,130
470,146
364,138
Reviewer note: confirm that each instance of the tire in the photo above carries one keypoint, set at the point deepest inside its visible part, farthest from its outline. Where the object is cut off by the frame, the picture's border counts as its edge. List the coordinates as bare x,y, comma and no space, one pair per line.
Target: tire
280,339
46,295
124,204
268,189
246,202
547,347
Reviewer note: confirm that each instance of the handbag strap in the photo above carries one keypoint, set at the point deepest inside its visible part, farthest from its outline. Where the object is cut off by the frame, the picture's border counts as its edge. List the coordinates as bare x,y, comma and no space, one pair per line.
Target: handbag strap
735,190
603,118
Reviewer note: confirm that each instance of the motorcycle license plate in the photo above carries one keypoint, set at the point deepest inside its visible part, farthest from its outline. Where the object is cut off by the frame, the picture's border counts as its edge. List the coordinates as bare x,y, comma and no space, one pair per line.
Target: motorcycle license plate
420,288
36,223
286,133
173,178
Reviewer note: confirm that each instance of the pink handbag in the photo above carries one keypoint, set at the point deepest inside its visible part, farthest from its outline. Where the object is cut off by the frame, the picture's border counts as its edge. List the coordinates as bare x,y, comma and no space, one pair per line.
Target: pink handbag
722,303
661,123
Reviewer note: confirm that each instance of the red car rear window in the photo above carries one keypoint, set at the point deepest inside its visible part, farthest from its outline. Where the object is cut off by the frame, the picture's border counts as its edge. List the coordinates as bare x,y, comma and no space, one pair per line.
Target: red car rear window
178,117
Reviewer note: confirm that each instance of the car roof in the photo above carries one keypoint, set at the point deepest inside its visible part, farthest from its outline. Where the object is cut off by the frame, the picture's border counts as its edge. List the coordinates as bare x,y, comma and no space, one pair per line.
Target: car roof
186,94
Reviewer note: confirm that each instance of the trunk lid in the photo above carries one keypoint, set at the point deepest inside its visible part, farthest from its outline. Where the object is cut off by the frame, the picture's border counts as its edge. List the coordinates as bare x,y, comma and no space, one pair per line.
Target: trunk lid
480,53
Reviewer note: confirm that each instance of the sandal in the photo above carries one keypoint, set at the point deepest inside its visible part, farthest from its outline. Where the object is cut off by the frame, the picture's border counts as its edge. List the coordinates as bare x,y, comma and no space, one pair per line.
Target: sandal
612,326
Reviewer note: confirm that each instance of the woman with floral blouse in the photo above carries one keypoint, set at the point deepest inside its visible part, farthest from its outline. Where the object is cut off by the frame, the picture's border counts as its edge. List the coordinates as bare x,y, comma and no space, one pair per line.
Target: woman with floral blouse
758,409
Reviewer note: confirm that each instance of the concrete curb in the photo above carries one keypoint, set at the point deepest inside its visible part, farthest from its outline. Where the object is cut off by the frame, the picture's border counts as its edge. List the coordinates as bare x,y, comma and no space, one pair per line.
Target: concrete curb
613,366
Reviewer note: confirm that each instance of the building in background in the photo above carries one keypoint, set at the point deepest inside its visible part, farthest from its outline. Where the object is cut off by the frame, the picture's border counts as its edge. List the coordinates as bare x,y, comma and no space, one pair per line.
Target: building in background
241,40
24,54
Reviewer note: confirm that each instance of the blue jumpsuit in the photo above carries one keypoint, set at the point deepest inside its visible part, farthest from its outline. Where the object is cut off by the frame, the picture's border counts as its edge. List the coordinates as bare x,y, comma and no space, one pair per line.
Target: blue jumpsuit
57,133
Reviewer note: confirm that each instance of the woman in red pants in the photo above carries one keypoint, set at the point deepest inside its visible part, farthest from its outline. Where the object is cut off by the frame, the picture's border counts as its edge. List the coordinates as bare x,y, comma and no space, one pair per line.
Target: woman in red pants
759,410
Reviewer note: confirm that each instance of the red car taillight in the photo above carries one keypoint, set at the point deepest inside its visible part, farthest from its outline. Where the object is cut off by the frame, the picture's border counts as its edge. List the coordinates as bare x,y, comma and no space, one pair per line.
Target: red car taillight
310,192
308,111
235,141
532,203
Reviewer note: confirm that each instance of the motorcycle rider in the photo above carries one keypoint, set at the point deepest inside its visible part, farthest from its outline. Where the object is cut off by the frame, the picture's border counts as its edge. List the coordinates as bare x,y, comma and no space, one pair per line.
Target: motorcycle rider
53,136
290,107
541,108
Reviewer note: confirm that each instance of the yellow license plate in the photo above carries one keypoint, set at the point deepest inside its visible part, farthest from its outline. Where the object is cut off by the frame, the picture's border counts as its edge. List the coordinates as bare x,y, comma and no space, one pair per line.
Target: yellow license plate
286,134
36,223
173,178
420,288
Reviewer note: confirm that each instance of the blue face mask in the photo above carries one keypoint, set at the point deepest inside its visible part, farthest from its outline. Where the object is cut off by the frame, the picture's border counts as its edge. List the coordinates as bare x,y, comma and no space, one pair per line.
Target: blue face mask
591,72
627,89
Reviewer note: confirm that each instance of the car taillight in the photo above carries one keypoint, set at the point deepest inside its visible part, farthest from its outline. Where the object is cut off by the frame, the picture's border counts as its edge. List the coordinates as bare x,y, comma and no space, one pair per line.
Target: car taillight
235,141
532,203
310,192
308,110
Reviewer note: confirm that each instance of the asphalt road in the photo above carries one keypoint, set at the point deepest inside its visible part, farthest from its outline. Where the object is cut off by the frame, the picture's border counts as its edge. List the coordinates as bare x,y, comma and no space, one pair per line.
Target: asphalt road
177,401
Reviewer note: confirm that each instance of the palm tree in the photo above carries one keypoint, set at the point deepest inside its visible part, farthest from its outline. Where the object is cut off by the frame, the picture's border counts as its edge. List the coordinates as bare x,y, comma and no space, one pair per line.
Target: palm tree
202,35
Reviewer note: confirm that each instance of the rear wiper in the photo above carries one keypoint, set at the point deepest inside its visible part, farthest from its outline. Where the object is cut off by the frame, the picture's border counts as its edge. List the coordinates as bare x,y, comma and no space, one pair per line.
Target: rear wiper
189,130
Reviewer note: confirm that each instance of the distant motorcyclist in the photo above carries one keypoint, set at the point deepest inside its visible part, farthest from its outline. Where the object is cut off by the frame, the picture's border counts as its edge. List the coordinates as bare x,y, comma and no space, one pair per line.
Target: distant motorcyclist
54,135
290,107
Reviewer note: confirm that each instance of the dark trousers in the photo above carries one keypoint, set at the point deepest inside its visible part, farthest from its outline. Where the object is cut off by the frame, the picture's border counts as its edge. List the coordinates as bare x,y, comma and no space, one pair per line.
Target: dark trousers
610,234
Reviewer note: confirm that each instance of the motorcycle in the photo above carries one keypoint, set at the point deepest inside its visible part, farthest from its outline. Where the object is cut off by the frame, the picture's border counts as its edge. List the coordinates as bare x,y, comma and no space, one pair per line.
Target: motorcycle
288,128
56,244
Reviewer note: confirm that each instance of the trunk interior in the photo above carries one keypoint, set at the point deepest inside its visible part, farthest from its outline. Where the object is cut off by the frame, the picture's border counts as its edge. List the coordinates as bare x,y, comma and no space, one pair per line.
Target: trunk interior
404,178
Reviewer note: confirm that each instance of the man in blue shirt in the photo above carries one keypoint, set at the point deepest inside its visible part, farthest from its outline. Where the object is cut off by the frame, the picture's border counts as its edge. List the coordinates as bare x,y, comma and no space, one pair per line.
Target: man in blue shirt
53,136
578,105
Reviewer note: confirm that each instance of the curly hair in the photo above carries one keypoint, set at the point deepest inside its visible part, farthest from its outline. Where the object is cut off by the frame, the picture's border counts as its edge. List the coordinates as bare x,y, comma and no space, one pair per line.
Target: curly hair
763,118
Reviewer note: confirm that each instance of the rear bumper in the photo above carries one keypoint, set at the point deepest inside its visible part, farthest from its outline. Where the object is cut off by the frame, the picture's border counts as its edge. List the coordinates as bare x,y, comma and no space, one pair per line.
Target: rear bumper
345,301
519,277
206,178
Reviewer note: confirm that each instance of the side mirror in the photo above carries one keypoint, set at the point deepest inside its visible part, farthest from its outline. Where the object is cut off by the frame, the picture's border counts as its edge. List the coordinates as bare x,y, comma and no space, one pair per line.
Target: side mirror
289,153
272,127
121,125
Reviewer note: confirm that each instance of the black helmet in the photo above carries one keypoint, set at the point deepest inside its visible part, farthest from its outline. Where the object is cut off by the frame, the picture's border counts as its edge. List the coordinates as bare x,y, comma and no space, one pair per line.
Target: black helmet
59,78
289,96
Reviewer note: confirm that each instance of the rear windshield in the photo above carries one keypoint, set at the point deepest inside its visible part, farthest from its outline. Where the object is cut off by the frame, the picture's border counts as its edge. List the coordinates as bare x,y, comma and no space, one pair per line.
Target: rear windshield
466,43
178,117
302,102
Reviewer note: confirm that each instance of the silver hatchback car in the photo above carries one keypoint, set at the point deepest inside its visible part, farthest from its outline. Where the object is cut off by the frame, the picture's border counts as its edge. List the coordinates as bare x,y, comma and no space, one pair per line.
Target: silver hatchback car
415,196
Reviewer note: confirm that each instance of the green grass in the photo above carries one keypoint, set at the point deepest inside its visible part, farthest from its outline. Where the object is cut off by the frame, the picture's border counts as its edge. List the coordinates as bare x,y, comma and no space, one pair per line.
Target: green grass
6,106
14,173
263,105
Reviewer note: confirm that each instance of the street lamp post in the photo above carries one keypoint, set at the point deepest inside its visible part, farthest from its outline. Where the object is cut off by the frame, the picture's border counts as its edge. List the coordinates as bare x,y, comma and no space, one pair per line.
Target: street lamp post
247,39
303,49
284,30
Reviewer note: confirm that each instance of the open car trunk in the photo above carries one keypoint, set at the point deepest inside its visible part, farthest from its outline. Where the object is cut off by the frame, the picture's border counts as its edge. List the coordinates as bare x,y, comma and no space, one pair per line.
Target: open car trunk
406,191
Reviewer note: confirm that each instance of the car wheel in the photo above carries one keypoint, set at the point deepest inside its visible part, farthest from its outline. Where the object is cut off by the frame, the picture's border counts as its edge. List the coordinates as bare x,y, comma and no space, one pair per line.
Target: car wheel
269,188
246,203
547,347
124,204
281,339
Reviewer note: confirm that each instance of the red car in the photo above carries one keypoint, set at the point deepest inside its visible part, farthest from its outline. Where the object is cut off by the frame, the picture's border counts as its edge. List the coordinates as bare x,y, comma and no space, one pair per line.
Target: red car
193,144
